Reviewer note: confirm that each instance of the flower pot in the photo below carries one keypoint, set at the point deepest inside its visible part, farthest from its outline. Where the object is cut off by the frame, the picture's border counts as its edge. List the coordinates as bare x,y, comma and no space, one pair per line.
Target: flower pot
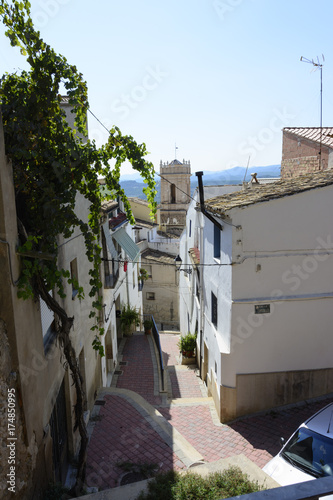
188,354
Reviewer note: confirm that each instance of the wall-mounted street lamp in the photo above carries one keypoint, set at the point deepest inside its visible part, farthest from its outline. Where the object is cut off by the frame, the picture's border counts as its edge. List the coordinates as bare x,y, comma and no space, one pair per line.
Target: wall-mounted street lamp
178,262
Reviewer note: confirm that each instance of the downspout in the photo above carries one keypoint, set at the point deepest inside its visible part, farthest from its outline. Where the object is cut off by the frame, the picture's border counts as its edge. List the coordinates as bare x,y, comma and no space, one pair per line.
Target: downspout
202,303
202,202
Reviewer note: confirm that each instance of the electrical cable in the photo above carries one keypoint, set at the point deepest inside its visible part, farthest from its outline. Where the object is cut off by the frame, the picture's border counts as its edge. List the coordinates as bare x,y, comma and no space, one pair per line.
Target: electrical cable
121,261
159,175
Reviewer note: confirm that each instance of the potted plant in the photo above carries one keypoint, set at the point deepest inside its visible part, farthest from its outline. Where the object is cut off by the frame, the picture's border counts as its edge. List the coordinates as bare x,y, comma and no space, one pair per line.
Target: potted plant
187,344
129,317
148,325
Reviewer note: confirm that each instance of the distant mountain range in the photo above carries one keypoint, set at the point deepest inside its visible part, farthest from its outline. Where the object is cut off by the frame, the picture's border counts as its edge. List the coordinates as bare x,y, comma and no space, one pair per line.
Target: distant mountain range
133,184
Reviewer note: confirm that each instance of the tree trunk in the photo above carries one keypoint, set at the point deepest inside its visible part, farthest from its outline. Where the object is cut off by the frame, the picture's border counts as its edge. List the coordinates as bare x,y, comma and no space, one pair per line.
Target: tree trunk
63,332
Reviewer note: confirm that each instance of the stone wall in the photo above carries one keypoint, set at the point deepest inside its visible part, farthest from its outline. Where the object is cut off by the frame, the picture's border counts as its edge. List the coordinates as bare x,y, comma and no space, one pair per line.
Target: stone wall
301,156
299,166
18,458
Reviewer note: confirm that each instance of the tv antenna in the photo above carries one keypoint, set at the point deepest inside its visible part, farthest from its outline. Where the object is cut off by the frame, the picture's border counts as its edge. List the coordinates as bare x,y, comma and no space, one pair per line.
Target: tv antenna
318,65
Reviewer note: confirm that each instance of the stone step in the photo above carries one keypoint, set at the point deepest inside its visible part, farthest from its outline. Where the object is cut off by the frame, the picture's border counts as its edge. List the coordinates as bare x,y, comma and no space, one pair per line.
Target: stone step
131,491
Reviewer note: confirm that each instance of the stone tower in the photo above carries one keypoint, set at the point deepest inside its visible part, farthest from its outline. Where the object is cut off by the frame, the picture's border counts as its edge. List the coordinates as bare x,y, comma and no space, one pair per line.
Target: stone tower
175,195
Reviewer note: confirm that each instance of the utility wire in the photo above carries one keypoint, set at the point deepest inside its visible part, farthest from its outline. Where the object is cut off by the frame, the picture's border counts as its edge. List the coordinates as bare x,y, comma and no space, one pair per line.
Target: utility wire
121,261
99,121
159,175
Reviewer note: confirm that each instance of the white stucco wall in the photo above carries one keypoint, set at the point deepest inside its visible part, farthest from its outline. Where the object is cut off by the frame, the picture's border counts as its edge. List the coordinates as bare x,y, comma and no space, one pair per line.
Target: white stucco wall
190,313
188,302
283,257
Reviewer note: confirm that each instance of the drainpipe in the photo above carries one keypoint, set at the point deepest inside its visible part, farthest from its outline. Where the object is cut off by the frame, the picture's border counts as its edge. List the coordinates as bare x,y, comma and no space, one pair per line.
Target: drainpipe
202,202
202,304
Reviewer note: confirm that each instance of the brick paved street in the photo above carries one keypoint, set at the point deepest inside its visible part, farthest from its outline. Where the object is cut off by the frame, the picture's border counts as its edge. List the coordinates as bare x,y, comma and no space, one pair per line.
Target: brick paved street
128,429
123,436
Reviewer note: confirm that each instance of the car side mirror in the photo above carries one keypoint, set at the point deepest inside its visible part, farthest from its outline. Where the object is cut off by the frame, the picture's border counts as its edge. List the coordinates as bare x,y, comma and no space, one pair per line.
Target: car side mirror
282,441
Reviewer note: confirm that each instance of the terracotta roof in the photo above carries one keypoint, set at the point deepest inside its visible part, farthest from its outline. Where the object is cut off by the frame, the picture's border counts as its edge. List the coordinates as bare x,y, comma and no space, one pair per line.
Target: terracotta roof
117,221
170,236
143,223
108,205
266,192
157,256
138,200
313,134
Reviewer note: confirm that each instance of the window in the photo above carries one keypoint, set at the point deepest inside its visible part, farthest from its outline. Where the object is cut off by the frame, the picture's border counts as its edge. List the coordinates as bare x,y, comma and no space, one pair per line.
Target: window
47,319
190,230
217,242
150,296
214,310
74,278
173,193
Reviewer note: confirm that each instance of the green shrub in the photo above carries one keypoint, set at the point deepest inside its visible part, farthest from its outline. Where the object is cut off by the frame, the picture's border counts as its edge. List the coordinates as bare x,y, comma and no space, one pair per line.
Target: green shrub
191,486
188,342
129,316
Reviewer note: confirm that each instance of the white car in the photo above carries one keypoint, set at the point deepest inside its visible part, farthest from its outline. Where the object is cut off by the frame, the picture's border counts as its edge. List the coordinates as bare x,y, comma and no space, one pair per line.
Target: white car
308,454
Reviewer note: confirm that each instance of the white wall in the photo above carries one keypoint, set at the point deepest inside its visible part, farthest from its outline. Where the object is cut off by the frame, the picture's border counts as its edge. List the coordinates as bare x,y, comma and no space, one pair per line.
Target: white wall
285,260
191,237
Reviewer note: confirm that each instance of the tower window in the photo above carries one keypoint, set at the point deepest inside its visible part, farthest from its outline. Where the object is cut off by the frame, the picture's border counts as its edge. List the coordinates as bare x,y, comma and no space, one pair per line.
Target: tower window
173,193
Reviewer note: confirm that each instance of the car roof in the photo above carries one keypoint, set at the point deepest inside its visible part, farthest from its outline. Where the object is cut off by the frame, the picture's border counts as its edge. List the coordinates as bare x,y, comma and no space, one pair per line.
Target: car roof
322,421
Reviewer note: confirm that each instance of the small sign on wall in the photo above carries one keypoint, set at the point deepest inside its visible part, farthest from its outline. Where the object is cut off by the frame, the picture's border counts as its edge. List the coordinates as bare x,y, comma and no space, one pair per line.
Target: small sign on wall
262,309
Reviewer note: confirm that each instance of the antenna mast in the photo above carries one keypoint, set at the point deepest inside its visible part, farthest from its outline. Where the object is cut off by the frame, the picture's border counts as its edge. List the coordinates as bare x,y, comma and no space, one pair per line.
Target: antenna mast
319,65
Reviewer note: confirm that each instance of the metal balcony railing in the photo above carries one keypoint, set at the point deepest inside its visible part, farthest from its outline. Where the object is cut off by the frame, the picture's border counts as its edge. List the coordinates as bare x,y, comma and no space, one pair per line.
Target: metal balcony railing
156,337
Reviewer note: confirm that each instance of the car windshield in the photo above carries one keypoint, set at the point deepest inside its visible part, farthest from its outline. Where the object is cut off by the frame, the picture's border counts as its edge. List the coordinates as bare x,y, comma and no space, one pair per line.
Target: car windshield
311,452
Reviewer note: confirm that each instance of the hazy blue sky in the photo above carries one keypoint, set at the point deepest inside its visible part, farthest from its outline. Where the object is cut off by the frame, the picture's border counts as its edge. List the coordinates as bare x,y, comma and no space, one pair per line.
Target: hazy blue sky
220,78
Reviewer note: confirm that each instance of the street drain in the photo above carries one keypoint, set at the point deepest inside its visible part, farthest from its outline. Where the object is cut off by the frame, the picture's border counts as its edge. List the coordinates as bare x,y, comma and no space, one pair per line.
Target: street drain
123,363
118,372
100,402
132,477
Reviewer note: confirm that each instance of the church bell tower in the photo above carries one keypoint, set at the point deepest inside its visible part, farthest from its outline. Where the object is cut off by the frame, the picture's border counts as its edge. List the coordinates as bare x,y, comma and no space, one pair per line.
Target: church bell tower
175,195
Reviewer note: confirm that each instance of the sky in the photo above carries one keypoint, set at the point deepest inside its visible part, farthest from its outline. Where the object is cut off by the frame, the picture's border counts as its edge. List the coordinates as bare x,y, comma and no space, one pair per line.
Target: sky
216,79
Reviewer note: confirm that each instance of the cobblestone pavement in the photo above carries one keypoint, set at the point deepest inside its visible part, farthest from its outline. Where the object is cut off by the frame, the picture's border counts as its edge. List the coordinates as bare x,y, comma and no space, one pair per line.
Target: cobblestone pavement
126,433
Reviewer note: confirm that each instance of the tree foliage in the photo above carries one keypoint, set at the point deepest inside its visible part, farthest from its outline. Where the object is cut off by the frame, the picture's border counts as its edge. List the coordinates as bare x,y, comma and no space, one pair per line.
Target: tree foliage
52,162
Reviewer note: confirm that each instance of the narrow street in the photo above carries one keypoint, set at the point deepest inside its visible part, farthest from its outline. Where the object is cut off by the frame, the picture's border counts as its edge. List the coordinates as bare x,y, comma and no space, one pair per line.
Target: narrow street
133,426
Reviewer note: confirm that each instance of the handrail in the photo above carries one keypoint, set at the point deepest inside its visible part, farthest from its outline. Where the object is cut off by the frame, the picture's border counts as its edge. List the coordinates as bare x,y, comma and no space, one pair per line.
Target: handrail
156,337
309,490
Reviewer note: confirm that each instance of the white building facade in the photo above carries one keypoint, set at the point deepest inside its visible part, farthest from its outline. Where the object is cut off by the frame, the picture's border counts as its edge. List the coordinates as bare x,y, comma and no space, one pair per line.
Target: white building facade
266,302
120,271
